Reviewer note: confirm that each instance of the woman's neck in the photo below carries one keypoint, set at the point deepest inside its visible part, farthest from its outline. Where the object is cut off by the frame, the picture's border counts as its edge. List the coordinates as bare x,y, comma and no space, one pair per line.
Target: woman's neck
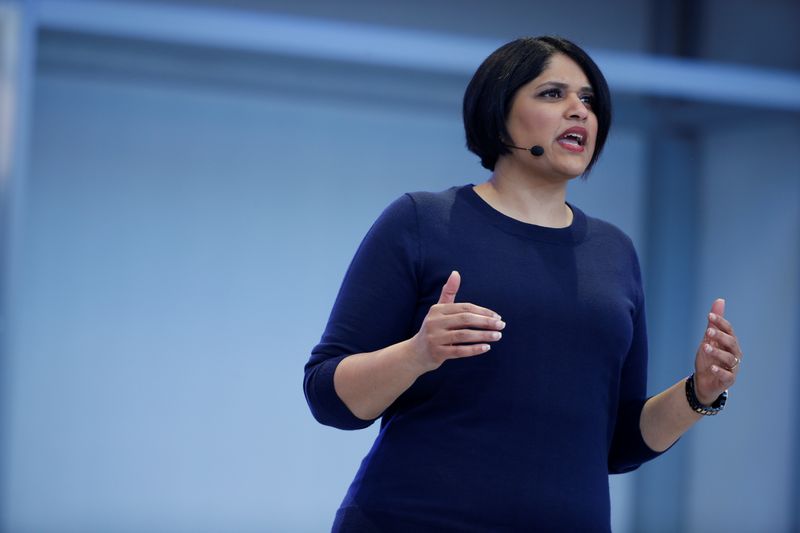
527,199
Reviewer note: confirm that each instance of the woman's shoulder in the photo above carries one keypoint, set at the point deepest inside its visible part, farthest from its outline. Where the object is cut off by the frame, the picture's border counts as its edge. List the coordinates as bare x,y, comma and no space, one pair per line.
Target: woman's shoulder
601,228
412,210
422,205
428,198
610,240
436,199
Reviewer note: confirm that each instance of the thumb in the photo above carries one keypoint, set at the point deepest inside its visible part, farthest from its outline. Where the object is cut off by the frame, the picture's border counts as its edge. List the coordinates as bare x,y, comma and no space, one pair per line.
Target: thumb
718,307
450,288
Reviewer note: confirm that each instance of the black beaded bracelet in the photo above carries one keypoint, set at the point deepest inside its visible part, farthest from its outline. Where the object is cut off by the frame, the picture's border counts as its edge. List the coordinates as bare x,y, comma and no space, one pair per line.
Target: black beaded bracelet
695,404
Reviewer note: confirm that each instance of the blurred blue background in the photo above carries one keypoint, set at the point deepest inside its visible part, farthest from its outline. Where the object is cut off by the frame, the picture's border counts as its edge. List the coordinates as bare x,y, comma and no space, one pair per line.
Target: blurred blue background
184,183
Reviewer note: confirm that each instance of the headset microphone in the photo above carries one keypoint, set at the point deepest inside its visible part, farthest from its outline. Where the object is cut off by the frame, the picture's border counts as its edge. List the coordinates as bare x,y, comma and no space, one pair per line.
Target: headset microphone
536,150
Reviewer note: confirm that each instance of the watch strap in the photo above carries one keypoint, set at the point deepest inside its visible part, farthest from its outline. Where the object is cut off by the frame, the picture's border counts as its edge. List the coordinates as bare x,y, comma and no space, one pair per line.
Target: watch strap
695,404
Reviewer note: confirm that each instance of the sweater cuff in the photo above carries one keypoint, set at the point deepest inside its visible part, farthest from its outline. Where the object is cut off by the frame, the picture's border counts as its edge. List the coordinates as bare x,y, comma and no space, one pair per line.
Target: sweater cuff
325,404
628,448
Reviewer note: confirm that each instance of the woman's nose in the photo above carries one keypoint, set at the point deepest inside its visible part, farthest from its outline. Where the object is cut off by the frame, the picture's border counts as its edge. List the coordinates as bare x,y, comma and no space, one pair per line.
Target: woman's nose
577,109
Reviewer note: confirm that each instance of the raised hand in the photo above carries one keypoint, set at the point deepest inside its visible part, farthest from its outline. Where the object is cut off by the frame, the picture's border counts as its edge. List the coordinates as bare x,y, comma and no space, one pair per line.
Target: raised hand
718,357
444,333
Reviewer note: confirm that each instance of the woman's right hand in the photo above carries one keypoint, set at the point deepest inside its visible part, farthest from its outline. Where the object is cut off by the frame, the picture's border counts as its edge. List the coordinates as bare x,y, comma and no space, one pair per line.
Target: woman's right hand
444,333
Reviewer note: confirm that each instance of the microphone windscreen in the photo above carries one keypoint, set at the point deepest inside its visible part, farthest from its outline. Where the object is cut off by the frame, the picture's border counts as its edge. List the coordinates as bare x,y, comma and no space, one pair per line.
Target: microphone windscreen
537,150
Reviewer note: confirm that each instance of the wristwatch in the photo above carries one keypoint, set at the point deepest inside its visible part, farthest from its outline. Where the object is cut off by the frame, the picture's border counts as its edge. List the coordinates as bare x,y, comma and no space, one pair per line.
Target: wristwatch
695,404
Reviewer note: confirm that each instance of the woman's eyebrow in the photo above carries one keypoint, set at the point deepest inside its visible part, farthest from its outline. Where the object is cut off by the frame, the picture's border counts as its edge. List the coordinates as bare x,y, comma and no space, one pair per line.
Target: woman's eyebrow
560,85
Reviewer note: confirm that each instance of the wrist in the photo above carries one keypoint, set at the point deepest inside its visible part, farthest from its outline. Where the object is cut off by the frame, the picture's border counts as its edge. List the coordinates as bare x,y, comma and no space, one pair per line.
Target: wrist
415,360
699,406
704,399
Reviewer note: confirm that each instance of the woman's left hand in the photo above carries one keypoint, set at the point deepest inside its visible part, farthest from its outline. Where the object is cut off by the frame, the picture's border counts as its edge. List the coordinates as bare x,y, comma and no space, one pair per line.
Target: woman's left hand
718,358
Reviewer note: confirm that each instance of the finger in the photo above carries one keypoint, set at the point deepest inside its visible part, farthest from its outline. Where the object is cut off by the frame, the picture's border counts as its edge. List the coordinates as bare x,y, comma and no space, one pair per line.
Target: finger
450,288
468,320
717,309
720,323
470,336
465,307
467,350
715,356
722,340
723,378
718,306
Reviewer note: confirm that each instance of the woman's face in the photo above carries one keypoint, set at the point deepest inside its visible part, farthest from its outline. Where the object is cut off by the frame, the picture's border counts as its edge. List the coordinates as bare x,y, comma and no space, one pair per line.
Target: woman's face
554,111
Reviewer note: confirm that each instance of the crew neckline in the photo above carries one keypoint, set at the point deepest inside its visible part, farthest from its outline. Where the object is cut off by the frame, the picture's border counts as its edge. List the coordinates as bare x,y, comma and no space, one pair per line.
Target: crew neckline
573,233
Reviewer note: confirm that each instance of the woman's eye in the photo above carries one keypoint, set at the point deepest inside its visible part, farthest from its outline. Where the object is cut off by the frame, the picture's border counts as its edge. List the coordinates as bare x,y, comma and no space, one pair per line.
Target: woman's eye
587,99
551,93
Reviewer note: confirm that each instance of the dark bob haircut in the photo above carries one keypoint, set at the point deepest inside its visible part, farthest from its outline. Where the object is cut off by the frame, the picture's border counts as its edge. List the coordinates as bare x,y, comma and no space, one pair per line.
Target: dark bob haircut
490,93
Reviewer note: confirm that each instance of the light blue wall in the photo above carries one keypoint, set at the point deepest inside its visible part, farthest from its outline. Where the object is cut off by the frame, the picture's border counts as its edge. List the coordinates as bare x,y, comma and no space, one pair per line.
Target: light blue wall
751,255
182,251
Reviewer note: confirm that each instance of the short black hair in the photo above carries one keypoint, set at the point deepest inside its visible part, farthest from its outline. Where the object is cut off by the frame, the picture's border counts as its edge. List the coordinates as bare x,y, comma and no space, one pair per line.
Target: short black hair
490,93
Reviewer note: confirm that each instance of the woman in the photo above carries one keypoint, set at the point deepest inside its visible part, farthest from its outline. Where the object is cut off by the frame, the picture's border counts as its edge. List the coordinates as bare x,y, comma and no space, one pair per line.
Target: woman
512,422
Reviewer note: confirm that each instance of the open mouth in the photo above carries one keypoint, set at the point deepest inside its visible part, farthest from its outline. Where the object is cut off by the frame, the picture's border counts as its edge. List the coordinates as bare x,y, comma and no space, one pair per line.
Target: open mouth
575,139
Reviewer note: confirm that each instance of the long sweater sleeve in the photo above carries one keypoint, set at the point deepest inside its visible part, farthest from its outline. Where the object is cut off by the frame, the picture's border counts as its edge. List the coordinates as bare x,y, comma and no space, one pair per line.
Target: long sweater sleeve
373,309
628,449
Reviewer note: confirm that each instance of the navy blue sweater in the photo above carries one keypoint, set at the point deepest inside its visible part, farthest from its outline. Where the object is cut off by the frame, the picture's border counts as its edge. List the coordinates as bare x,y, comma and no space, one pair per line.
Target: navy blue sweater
524,436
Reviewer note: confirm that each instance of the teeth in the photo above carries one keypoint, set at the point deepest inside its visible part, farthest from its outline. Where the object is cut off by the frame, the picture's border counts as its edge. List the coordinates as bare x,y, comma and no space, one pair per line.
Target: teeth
574,136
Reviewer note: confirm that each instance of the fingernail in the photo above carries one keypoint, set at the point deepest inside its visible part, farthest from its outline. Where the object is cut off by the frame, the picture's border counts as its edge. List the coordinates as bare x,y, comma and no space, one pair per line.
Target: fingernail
708,348
496,335
498,317
712,316
500,324
711,332
714,369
